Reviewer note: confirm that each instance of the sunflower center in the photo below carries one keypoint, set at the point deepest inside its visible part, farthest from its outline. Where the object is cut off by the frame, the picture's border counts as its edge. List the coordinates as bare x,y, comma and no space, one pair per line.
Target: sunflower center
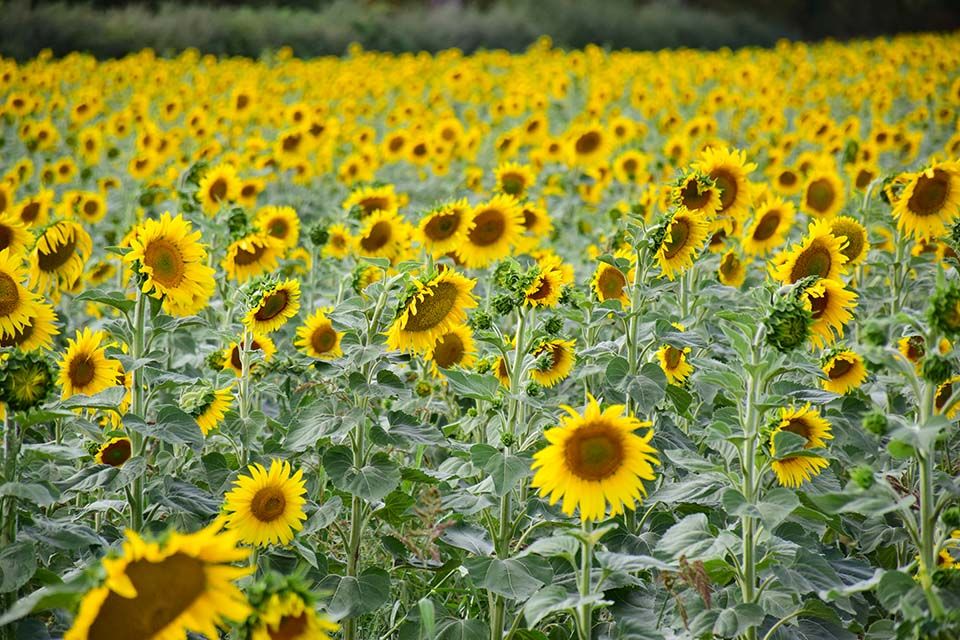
943,394
729,264
630,166
692,197
278,228
272,305
594,452
767,226
788,178
798,426
218,190
58,256
839,368
448,351
268,504
512,183
378,236
587,143
434,308
820,195
815,260
291,142
915,348
930,194
165,590
611,283
82,371
116,453
235,355
819,304
672,357
854,238
323,339
679,232
442,226
245,257
489,227
91,208
727,184
6,236
164,258
863,179
374,203
9,295
30,212
542,291
18,337
290,628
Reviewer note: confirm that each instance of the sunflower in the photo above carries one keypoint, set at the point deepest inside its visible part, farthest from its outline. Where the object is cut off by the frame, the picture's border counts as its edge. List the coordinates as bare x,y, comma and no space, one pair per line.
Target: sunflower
844,371
85,367
697,194
165,590
514,179
432,310
266,507
281,223
595,460
732,270
114,452
587,145
611,283
674,363
772,222
555,360
317,338
16,302
207,405
384,235
455,348
495,226
34,210
251,256
26,380
339,242
684,238
929,201
807,423
857,243
445,228
728,170
819,254
276,304
289,617
913,348
219,186
262,343
92,207
829,302
823,194
173,263
546,288
13,234
371,199
38,330
59,255
944,394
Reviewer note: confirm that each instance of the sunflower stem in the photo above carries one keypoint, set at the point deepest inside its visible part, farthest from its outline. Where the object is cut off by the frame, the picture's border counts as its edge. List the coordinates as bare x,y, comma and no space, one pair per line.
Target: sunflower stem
244,399
585,610
137,408
928,517
750,427
11,450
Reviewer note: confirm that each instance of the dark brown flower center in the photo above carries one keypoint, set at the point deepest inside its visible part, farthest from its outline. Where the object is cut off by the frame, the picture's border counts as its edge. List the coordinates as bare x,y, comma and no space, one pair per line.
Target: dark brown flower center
815,260
679,233
323,339
268,504
82,371
930,194
290,628
839,368
588,143
820,195
218,190
116,453
272,305
611,283
437,303
9,295
58,256
489,226
727,183
377,237
594,451
767,226
448,351
245,257
164,258
442,225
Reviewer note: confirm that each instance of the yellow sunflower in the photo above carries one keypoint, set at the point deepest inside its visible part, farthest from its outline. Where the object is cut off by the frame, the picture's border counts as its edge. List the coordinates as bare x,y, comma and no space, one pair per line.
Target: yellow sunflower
772,222
17,303
34,210
610,283
13,234
164,590
823,194
819,254
276,305
370,199
218,187
807,423
262,343
587,145
674,363
317,338
266,507
514,179
384,235
595,462
436,307
944,394
114,452
37,331
555,360
844,371
288,617
339,242
546,288
168,254
729,170
930,201
913,348
445,228
251,256
207,405
697,194
85,367
281,223
682,242
830,303
59,255
495,226
455,348
857,243
732,270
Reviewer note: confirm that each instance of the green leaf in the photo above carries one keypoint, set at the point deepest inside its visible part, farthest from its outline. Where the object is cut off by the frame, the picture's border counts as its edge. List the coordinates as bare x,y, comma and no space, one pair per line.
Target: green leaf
506,470
472,385
18,562
354,597
776,506
463,630
788,444
173,426
895,586
106,399
39,494
469,538
617,369
115,299
512,578
691,537
871,502
378,477
554,598
647,388
628,563
680,398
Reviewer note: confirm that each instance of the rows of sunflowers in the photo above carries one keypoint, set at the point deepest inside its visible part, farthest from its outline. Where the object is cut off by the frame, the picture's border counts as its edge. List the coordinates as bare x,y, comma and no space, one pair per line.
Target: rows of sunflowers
540,346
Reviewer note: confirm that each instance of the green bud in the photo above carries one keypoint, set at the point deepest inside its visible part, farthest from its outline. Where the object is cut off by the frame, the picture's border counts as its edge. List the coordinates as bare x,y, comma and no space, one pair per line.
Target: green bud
319,235
943,313
237,222
863,476
26,380
503,304
936,368
481,320
215,360
951,517
507,439
874,333
876,423
472,412
534,389
553,326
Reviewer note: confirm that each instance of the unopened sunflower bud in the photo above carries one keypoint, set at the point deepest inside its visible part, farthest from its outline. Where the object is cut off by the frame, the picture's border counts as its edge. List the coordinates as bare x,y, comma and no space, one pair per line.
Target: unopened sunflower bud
507,439
876,423
553,326
503,304
863,476
874,333
424,389
238,222
943,313
26,380
215,360
951,518
788,323
936,368
481,320
534,389
319,235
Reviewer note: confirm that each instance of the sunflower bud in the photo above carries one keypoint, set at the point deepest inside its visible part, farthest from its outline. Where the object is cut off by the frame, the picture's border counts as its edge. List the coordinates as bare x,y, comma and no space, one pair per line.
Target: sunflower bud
215,360
503,304
874,333
26,380
943,313
951,517
238,223
534,389
319,235
936,368
789,319
423,389
862,476
481,320
876,423
553,326
507,439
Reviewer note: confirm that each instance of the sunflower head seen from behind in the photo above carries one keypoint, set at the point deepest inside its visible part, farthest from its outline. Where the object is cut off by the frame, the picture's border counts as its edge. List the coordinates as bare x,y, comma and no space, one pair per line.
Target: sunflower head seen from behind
266,506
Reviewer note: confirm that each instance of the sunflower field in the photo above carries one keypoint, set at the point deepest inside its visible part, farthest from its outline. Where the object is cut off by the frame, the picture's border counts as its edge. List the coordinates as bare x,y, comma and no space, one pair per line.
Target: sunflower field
559,344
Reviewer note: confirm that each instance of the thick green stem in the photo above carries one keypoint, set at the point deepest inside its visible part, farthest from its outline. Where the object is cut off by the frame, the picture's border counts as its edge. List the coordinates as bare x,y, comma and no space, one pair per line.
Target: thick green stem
137,400
928,517
245,347
8,506
585,611
748,488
